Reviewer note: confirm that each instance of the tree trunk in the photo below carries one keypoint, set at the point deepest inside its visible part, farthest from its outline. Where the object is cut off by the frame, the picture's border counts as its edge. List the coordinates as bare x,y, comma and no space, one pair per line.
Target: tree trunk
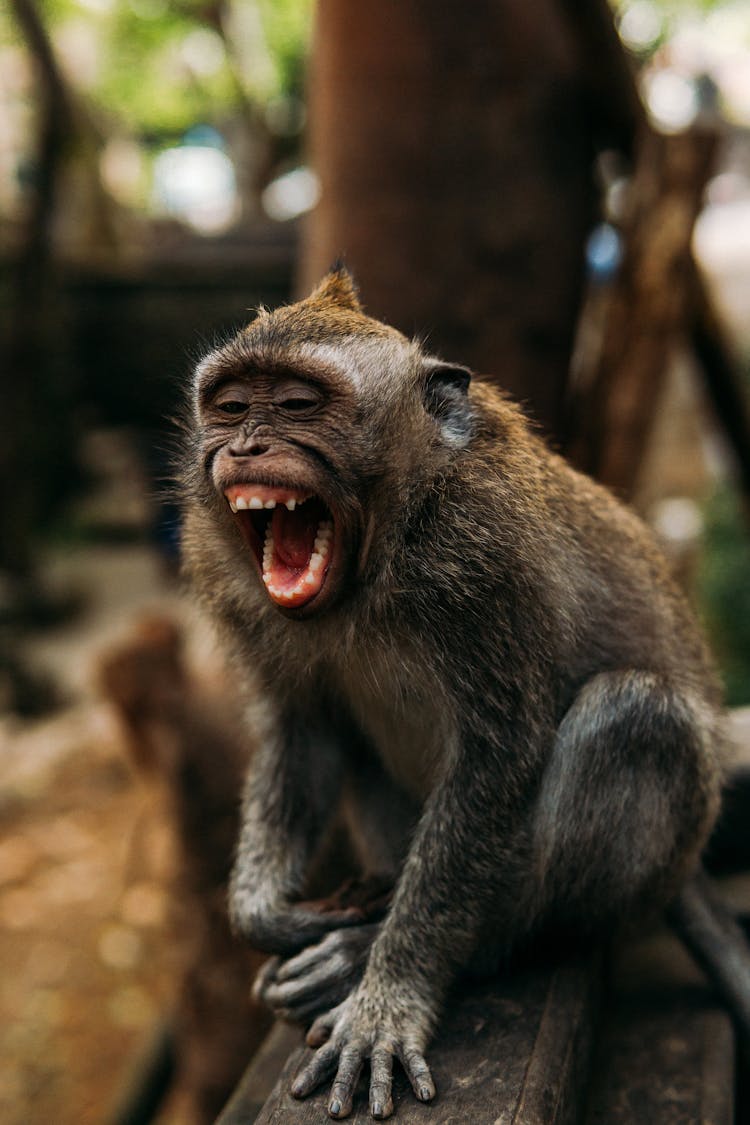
454,146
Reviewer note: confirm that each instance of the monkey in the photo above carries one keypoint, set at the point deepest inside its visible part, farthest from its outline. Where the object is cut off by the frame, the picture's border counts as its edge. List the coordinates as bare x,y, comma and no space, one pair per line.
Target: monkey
474,651
176,731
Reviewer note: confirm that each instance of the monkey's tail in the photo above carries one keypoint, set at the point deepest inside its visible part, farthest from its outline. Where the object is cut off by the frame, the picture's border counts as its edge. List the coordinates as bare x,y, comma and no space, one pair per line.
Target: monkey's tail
718,943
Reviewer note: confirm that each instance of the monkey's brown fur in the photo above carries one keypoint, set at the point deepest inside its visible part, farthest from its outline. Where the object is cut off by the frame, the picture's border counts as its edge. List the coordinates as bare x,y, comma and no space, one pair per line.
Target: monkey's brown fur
496,672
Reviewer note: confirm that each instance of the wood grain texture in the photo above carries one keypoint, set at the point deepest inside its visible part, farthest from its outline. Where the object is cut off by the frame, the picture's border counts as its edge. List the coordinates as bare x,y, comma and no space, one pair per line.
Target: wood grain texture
666,1051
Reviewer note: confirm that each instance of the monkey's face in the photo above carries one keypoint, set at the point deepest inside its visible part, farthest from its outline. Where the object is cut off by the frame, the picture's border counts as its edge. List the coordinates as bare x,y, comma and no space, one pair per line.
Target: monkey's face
312,425
278,457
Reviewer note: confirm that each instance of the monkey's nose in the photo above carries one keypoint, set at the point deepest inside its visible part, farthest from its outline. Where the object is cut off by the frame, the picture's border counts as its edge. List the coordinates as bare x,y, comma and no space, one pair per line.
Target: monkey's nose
257,448
254,446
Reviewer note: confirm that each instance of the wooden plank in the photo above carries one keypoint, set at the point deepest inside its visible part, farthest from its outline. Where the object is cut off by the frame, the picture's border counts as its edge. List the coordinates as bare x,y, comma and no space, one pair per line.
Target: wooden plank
666,1049
259,1079
514,1051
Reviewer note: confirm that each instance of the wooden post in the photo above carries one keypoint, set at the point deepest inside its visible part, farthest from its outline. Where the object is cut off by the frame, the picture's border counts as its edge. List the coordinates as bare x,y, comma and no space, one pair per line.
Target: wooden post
647,310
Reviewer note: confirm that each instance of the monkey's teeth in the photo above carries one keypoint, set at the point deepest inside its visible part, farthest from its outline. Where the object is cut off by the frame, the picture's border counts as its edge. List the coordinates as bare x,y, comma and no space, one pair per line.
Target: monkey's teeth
241,504
232,505
323,539
311,577
255,502
267,553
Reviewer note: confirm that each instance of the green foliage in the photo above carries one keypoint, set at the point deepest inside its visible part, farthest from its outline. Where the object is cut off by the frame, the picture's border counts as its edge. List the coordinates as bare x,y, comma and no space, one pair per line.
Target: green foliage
286,24
724,590
162,66
676,7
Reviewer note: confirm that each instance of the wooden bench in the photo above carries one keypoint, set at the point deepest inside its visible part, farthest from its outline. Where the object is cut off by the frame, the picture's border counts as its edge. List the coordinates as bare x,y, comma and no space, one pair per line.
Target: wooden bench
639,1041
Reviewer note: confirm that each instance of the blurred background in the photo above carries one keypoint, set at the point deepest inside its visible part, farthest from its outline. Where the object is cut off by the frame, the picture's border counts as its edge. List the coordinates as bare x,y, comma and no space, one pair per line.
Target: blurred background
556,191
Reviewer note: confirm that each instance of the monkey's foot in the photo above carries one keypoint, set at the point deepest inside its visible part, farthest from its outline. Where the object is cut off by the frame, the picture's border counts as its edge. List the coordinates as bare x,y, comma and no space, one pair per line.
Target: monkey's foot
352,1033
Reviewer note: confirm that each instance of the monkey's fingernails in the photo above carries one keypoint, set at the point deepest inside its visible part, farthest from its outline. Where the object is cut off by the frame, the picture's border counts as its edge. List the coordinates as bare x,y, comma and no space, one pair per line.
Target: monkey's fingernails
419,1075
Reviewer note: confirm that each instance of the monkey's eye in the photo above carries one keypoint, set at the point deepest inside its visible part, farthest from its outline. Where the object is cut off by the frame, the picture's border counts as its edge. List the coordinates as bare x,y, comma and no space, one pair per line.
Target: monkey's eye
231,399
297,398
231,406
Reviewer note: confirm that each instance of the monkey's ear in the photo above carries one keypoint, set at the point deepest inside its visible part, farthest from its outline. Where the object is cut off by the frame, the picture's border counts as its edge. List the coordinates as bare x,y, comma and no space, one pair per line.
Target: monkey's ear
338,287
446,396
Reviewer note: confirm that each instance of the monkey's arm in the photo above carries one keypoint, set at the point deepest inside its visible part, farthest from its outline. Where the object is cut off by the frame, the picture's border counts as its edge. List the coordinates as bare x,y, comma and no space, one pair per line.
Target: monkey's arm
291,795
463,847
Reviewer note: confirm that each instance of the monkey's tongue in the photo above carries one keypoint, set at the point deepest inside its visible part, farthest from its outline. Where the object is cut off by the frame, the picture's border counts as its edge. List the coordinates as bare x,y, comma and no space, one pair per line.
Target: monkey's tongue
295,553
294,535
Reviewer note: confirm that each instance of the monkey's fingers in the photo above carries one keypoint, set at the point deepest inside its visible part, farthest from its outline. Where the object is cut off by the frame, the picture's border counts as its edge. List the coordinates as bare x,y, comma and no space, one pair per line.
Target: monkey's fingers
381,1080
323,1026
338,951
331,911
289,994
308,1010
303,962
418,1073
321,1066
265,977
347,1075
307,1005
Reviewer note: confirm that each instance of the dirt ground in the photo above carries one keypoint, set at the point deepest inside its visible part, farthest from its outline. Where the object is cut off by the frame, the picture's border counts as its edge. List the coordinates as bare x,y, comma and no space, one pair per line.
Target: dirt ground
89,964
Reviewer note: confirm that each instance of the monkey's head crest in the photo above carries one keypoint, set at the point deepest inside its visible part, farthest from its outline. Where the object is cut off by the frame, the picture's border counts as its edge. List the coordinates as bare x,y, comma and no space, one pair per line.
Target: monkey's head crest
338,287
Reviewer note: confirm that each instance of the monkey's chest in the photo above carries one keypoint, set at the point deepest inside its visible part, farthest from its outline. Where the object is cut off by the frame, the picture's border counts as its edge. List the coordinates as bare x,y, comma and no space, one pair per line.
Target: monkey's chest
405,727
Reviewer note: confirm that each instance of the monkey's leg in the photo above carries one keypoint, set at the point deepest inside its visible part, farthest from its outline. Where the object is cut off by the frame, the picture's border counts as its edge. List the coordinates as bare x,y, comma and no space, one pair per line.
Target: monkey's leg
291,795
626,800
464,846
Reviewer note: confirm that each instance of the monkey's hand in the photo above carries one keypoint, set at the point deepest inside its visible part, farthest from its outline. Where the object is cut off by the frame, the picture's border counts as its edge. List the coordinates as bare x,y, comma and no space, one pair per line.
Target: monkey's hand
319,977
361,1028
286,928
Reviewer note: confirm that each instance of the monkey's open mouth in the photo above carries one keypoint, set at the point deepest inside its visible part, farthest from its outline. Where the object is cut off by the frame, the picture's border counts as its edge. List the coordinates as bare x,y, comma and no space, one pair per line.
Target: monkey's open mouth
291,536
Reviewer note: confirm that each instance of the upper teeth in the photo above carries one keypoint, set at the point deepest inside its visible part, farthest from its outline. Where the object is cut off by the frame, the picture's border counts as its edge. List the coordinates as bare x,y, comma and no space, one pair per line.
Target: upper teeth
242,503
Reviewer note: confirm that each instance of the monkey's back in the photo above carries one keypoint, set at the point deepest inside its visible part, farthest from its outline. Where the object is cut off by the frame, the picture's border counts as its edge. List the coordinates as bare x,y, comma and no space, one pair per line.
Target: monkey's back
608,581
